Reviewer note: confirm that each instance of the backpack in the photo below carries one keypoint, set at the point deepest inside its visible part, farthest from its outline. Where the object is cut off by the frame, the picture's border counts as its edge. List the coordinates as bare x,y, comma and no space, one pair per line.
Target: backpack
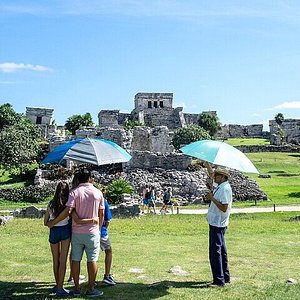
148,195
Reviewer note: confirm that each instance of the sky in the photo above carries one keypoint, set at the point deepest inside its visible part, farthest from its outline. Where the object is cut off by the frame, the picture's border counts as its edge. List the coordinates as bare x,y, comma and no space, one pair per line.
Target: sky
239,58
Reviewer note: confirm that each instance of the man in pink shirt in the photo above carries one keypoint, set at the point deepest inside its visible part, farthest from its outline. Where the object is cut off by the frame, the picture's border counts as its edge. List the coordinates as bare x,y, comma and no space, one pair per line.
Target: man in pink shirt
88,202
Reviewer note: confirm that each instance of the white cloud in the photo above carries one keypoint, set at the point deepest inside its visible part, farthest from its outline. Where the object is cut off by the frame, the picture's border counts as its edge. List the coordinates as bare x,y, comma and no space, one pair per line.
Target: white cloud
10,67
179,104
286,105
255,115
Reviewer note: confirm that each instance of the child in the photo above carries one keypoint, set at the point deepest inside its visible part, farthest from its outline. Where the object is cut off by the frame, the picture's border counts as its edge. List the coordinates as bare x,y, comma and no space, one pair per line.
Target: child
105,245
59,237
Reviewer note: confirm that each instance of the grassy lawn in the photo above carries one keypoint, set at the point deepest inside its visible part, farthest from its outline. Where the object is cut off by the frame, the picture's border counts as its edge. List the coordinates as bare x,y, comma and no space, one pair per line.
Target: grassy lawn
283,186
263,253
247,141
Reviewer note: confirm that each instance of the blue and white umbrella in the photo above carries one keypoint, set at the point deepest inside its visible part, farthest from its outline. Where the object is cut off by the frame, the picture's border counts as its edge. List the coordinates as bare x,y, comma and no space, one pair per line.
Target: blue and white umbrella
90,151
220,153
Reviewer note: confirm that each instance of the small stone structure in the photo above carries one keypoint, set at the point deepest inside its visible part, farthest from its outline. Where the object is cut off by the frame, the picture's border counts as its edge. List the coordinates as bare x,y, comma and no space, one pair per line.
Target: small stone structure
39,115
290,129
29,212
5,219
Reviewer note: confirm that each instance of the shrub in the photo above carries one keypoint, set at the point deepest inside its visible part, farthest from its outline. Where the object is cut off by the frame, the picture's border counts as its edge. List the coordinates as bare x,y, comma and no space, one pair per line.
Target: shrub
32,194
115,191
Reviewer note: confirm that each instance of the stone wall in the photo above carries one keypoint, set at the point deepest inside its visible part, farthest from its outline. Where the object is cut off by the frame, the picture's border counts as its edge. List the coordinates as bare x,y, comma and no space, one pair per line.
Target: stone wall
269,148
240,131
150,160
108,118
290,129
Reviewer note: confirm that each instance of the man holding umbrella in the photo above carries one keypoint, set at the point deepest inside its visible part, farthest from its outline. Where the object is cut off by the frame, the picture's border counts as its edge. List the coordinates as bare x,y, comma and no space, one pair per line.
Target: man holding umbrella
218,218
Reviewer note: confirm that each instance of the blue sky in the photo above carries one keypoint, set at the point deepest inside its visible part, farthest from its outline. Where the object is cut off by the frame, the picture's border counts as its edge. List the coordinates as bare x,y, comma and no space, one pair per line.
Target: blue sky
240,58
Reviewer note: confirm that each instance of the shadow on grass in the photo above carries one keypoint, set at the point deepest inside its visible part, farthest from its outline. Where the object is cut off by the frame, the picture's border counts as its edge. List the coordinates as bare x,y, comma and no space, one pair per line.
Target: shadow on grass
295,195
279,172
123,290
288,175
294,155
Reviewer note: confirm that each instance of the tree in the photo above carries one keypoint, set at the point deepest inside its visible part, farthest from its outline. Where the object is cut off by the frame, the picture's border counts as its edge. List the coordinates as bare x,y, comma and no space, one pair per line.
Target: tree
76,121
279,118
20,145
210,122
189,134
128,124
8,116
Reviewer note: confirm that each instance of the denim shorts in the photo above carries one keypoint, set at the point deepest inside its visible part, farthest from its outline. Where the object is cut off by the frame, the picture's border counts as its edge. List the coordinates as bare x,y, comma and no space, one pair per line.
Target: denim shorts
60,233
88,242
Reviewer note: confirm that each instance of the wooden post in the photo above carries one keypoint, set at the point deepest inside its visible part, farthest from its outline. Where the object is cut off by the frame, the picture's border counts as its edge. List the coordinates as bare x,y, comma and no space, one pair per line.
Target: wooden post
177,210
274,207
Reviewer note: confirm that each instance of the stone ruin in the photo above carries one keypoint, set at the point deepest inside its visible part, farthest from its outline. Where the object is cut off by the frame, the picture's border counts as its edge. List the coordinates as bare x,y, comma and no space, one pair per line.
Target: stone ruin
290,129
242,131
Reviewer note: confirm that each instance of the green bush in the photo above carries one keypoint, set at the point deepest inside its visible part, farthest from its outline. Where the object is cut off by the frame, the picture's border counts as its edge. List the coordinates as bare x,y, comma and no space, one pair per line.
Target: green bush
31,194
189,134
115,191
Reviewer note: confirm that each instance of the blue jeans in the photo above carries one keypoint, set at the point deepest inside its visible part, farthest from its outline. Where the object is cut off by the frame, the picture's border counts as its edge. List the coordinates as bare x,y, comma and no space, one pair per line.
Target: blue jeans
218,255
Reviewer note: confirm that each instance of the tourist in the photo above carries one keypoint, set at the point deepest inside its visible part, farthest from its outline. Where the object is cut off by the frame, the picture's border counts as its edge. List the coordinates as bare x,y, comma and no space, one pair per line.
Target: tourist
88,203
105,245
167,201
59,237
146,195
74,184
218,218
151,200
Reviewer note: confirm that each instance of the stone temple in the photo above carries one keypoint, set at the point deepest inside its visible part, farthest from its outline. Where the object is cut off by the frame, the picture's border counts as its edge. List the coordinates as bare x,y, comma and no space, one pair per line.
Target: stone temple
150,109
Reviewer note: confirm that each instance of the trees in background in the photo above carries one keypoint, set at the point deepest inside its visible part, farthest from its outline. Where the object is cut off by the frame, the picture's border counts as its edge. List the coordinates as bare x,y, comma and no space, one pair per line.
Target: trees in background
210,122
20,140
279,118
8,116
189,134
76,121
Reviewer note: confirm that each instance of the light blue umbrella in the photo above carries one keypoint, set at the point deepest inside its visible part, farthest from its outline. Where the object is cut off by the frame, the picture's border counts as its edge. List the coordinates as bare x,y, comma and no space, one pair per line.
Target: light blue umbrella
220,153
90,151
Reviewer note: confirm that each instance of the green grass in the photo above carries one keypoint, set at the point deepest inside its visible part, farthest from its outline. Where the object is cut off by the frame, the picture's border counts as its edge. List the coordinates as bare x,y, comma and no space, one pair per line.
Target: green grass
283,186
263,253
247,141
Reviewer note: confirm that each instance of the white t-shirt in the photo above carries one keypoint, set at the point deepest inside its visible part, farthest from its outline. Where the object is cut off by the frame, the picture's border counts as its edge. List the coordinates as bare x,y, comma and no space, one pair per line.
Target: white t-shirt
52,217
215,216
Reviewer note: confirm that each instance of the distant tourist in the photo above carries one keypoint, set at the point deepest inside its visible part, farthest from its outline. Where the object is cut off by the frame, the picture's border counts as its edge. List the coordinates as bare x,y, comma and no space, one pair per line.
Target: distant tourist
167,201
218,218
151,196
146,196
59,237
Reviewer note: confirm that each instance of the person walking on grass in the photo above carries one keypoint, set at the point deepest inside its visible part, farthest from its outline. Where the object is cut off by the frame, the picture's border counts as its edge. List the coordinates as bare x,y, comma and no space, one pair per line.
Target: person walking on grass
218,219
88,203
59,237
167,201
